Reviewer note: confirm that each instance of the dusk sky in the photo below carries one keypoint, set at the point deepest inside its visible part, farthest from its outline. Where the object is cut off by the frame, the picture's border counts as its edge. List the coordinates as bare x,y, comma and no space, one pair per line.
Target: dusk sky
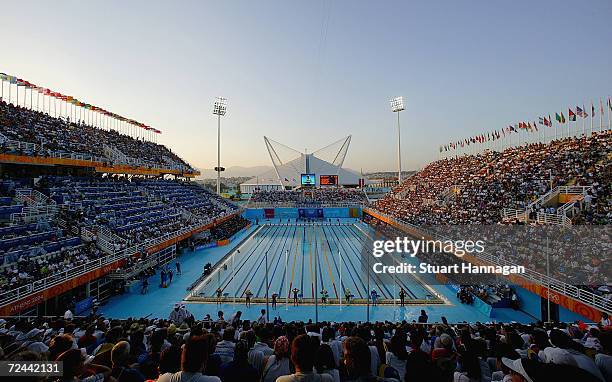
309,73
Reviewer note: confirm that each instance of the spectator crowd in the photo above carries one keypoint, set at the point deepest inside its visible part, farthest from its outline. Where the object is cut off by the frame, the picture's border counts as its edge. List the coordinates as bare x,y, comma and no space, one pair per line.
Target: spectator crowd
182,348
310,197
47,135
122,212
473,189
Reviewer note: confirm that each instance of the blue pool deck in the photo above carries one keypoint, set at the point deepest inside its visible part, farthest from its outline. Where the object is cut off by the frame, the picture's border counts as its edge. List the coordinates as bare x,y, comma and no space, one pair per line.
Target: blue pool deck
158,302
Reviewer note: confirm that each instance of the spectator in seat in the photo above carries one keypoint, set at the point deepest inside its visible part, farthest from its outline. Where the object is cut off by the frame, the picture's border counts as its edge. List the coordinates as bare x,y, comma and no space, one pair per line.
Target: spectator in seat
278,363
74,367
121,371
325,363
303,357
239,370
193,362
357,362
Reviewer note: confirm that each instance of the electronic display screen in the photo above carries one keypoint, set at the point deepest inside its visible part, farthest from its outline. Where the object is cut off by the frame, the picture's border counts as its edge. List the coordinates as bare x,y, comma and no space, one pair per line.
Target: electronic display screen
308,179
328,180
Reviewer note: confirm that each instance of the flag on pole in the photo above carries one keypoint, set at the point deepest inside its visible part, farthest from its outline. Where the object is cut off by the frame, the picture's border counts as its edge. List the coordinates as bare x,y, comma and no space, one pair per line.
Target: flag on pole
571,115
592,109
560,118
580,112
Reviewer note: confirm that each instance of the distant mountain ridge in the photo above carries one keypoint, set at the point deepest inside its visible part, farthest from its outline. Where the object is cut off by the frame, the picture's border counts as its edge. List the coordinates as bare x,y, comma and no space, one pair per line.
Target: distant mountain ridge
235,171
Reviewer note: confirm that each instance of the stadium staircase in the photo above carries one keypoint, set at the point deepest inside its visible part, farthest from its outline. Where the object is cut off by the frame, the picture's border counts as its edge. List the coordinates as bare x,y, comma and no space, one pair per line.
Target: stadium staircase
402,193
28,295
86,235
118,157
563,214
131,273
37,206
189,216
107,241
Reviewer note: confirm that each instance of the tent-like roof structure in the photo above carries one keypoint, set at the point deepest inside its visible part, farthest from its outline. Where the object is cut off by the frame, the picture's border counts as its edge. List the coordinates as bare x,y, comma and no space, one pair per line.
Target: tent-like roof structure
287,173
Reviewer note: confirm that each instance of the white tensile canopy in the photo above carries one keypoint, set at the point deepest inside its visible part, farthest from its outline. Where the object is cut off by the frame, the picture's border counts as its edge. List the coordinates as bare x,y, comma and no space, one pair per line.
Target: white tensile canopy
287,174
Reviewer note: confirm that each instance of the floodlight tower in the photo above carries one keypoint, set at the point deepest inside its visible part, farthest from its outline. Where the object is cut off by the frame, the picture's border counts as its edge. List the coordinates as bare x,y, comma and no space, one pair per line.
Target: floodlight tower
397,105
219,109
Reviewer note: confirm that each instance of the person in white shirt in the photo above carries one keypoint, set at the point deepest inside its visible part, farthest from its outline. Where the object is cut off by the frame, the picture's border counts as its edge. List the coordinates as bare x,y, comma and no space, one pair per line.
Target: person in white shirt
68,315
262,318
177,315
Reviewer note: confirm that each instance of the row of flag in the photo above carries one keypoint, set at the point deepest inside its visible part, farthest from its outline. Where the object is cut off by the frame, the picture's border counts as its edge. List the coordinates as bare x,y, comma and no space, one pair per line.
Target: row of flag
69,99
525,126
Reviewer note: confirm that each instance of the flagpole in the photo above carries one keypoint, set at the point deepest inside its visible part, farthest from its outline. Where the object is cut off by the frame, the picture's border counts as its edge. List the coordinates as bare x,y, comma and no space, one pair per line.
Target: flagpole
583,129
609,109
592,115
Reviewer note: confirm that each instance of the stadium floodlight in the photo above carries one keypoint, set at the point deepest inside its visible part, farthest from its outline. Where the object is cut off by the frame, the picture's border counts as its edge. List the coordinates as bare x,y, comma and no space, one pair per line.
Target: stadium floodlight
219,109
220,106
397,105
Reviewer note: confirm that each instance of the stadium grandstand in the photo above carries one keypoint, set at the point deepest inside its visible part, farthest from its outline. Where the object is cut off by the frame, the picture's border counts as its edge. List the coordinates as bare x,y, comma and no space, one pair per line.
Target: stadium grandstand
488,258
85,236
91,216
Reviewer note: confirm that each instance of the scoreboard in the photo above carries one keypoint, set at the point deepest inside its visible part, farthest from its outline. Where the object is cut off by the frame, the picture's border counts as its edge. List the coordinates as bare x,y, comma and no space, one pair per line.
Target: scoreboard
328,180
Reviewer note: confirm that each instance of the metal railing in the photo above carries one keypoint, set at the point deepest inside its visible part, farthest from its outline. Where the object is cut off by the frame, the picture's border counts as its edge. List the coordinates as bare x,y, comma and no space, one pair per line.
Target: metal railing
161,257
33,197
572,291
512,214
30,214
38,150
63,276
545,218
60,277
566,190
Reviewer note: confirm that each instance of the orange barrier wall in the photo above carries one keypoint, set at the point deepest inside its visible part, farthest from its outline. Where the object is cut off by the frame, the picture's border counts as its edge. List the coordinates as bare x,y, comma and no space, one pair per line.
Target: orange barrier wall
569,303
41,296
56,290
184,236
99,166
42,161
